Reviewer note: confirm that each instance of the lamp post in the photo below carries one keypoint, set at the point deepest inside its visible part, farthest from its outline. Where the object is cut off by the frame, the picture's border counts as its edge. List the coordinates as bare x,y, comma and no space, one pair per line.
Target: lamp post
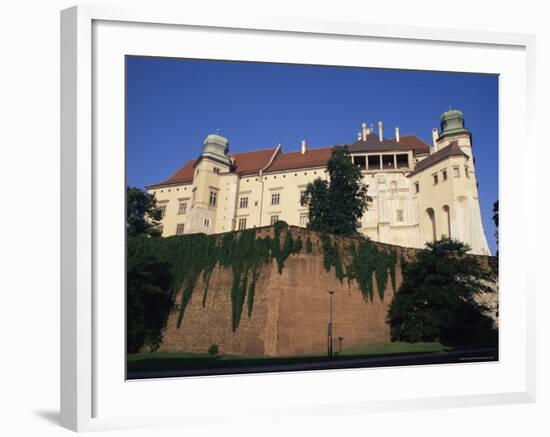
329,330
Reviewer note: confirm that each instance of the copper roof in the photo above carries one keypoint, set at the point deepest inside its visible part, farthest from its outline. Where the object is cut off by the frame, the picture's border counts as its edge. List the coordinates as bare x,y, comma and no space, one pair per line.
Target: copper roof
296,160
405,143
451,150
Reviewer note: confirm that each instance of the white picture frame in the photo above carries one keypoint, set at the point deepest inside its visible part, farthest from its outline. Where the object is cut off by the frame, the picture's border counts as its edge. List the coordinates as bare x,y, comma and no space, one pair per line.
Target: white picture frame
84,386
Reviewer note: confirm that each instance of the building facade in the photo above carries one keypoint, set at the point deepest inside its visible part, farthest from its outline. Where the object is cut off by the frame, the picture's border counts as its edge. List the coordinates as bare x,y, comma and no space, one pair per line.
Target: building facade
419,192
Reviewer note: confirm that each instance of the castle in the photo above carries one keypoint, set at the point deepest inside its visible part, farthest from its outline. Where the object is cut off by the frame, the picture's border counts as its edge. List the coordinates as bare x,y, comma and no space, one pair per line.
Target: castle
419,192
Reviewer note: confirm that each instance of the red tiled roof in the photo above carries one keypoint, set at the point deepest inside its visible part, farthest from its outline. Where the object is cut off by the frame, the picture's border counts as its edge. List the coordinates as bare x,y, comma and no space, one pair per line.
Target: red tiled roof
183,176
451,150
406,142
252,162
295,160
415,143
245,163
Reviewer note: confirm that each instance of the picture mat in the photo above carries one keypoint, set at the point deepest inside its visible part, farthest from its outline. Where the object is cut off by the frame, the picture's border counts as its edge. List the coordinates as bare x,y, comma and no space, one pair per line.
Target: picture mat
236,395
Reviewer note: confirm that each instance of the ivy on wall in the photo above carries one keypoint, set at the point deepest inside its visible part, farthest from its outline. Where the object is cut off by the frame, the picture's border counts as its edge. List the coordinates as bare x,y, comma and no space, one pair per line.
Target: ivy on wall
365,259
244,255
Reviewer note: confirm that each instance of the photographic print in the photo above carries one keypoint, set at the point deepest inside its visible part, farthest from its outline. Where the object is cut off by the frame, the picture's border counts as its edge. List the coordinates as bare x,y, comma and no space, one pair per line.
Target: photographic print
284,217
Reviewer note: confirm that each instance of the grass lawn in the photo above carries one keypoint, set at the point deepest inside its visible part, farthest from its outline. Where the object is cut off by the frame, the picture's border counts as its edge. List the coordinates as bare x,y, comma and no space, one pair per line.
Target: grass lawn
194,361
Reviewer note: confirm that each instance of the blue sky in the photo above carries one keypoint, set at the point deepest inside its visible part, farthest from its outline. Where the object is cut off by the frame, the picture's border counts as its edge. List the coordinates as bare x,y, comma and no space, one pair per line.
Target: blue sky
173,104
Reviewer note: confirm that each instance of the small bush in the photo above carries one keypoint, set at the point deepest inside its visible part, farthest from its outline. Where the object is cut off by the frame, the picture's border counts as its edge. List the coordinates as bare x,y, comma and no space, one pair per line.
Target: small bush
213,349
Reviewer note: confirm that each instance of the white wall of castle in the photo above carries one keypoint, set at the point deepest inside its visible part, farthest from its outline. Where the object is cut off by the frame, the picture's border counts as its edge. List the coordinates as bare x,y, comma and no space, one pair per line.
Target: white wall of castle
397,214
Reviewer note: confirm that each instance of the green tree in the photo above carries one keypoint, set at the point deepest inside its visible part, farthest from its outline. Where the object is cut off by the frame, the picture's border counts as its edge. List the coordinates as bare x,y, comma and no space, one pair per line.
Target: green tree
437,300
316,198
148,296
142,214
336,205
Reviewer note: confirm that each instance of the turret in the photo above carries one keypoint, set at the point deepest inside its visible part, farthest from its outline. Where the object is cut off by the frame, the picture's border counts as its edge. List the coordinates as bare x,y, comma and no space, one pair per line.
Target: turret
216,147
453,131
206,193
452,123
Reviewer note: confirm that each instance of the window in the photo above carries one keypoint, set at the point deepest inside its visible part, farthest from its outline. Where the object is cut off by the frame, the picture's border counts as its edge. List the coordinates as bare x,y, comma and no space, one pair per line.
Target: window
216,170
399,215
275,198
360,161
466,172
206,222
444,174
180,228
162,211
302,197
243,202
417,187
213,198
242,223
387,161
183,208
436,178
374,162
274,219
304,219
456,172
159,229
402,160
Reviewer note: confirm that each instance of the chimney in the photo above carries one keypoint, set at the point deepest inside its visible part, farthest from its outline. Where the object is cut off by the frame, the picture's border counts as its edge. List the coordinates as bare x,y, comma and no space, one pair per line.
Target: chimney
304,147
435,137
380,133
397,134
364,131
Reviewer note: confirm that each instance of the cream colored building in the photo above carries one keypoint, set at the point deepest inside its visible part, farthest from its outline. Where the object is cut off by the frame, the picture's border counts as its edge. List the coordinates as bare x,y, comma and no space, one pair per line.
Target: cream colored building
419,192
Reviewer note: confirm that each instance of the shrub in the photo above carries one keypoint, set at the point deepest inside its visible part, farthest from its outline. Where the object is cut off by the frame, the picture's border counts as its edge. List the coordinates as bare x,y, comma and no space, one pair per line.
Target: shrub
149,297
213,349
437,300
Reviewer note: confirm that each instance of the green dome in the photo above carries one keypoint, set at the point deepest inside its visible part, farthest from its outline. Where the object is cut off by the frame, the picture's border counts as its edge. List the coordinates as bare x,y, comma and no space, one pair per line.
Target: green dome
215,146
215,138
452,122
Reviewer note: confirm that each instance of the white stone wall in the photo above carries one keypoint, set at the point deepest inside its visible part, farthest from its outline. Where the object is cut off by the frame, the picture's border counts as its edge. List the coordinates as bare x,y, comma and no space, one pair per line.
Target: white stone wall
397,214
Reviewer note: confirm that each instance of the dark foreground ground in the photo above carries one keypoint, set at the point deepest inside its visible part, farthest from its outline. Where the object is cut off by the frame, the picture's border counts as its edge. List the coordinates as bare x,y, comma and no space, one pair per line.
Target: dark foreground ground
164,365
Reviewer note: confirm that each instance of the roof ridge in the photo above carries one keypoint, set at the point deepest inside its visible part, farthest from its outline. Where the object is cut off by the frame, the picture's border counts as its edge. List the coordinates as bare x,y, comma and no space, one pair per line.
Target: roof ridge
254,151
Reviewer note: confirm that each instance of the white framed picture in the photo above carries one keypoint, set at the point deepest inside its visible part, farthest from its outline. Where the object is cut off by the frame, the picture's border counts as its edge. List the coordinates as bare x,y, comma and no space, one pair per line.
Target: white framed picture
107,52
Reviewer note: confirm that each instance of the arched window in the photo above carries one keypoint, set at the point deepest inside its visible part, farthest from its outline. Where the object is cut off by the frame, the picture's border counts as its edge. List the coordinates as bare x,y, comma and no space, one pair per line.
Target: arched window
447,217
431,215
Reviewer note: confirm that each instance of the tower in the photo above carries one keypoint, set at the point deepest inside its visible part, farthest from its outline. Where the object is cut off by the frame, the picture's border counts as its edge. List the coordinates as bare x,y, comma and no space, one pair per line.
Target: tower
205,199
459,215
453,130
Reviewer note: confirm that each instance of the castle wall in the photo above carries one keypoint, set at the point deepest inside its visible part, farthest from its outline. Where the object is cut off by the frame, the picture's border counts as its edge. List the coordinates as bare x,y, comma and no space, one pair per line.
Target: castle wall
290,313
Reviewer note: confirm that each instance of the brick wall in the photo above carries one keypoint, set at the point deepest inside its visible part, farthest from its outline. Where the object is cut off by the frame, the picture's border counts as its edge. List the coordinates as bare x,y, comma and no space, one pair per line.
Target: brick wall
291,310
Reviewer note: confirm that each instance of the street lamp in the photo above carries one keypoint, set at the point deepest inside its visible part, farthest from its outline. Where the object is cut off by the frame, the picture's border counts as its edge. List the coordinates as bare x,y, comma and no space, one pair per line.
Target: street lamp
329,330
